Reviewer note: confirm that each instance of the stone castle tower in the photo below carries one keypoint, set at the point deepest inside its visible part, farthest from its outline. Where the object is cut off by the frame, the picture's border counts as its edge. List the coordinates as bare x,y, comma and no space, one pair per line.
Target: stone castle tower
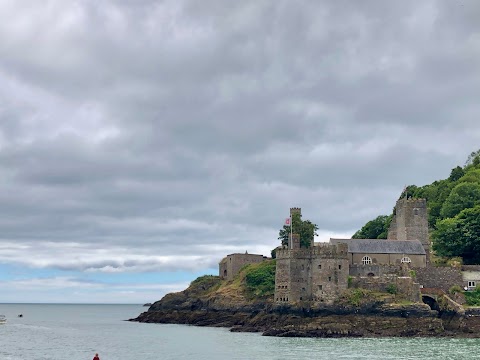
411,223
317,274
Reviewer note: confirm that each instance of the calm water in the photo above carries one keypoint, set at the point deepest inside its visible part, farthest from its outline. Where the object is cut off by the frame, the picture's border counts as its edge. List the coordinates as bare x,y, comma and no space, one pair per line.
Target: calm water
76,332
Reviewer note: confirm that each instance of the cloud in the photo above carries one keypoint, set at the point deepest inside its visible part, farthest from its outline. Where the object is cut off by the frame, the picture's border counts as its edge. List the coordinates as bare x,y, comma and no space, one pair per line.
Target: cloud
160,136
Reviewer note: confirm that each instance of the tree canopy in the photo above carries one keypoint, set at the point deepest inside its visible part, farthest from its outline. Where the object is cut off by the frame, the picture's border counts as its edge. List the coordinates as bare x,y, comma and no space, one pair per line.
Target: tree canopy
459,236
306,229
374,229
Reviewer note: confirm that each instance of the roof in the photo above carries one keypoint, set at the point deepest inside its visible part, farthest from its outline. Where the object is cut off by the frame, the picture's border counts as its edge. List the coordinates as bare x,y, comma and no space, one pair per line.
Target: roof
380,246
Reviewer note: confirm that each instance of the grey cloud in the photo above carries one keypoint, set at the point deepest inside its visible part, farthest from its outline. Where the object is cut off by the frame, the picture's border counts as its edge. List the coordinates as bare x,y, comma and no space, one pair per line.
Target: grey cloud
184,128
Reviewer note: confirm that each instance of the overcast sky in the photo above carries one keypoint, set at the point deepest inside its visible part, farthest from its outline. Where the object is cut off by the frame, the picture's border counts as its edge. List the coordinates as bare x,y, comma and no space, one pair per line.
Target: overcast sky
142,141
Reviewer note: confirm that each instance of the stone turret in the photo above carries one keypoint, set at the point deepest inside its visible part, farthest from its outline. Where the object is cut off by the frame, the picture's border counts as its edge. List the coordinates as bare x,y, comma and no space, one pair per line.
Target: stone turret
411,222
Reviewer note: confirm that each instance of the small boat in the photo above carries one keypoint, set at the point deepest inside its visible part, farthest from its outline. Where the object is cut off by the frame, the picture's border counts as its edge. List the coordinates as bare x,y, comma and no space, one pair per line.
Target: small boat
3,319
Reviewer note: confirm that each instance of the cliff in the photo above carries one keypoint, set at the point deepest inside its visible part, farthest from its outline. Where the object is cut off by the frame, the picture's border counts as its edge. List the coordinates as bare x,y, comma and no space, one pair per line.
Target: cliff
209,301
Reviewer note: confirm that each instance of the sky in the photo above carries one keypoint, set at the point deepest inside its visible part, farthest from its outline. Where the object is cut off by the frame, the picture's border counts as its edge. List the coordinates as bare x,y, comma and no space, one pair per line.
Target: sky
142,141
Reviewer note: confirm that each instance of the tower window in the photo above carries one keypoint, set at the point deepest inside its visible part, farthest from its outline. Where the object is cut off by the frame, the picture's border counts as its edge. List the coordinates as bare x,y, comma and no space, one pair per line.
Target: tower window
329,278
320,287
366,260
339,267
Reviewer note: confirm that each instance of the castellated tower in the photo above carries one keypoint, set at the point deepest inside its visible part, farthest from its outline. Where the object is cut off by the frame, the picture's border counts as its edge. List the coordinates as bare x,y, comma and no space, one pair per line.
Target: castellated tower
317,274
411,223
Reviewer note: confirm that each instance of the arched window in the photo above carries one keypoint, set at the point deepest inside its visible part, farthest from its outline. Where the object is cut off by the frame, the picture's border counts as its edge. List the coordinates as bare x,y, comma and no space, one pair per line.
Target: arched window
366,260
406,260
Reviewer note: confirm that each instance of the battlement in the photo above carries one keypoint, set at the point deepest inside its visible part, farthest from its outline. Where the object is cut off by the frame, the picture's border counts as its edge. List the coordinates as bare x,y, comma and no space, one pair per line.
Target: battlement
320,250
295,210
420,201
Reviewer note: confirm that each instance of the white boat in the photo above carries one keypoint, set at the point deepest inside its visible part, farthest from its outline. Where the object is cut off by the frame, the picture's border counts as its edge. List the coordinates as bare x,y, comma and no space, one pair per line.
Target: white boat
3,319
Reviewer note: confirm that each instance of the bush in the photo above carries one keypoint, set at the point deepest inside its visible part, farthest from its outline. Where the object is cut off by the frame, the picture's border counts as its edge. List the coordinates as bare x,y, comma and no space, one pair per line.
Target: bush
391,289
473,297
260,278
455,289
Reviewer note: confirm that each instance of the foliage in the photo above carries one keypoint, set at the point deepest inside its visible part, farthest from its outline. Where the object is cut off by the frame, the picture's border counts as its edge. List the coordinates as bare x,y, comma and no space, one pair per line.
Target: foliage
350,281
205,283
413,273
459,236
472,297
391,289
473,158
306,229
455,289
354,297
374,229
456,173
260,278
455,262
463,196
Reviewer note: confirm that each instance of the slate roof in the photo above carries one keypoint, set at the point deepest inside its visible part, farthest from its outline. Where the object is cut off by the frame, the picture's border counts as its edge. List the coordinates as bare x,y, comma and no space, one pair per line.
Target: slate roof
380,246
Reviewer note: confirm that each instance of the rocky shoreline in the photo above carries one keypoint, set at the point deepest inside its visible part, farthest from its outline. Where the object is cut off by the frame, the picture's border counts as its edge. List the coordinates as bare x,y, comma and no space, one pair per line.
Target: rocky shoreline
370,319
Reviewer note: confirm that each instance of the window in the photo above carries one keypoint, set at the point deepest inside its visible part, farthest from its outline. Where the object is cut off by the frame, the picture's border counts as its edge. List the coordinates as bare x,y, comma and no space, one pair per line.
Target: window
329,278
339,267
471,284
406,260
320,287
319,266
366,260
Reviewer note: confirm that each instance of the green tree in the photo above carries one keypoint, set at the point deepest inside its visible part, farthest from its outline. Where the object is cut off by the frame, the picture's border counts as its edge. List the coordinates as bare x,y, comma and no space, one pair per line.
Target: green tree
459,236
473,158
306,229
463,196
456,173
374,229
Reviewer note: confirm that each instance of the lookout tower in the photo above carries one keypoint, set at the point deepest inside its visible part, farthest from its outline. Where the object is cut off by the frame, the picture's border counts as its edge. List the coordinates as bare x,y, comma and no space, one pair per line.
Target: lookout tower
411,223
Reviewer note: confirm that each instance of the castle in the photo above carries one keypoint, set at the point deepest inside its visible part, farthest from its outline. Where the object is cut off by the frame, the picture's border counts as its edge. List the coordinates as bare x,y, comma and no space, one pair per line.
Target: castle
321,272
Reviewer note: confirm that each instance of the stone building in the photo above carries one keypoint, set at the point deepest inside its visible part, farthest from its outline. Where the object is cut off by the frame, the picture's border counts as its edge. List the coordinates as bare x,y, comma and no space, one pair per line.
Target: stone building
384,252
231,264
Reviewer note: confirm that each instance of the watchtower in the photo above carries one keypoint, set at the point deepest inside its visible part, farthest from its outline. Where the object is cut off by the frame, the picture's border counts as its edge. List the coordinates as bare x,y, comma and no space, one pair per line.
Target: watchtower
411,222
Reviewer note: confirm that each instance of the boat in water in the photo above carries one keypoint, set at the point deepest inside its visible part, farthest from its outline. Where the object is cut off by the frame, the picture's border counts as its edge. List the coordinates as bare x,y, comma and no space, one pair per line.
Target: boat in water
3,319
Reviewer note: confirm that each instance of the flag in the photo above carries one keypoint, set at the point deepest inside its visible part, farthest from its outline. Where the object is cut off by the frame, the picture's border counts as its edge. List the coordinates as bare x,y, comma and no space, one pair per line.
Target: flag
287,221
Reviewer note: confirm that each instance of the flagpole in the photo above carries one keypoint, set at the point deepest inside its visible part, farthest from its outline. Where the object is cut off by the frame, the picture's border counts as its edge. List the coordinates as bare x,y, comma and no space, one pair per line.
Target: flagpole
291,231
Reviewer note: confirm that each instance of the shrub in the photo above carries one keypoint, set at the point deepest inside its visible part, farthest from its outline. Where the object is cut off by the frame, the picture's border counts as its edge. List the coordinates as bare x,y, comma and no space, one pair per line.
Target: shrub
391,289
260,278
455,289
473,297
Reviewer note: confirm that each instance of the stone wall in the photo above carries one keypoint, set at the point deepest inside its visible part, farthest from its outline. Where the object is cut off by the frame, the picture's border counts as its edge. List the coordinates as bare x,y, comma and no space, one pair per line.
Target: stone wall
378,270
439,277
405,287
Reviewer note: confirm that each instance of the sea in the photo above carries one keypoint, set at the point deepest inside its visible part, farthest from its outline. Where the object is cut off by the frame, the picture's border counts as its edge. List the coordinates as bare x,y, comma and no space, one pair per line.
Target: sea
77,332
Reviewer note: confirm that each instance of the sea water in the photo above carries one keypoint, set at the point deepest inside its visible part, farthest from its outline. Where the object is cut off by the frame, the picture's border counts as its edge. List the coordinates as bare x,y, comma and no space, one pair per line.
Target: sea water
77,332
